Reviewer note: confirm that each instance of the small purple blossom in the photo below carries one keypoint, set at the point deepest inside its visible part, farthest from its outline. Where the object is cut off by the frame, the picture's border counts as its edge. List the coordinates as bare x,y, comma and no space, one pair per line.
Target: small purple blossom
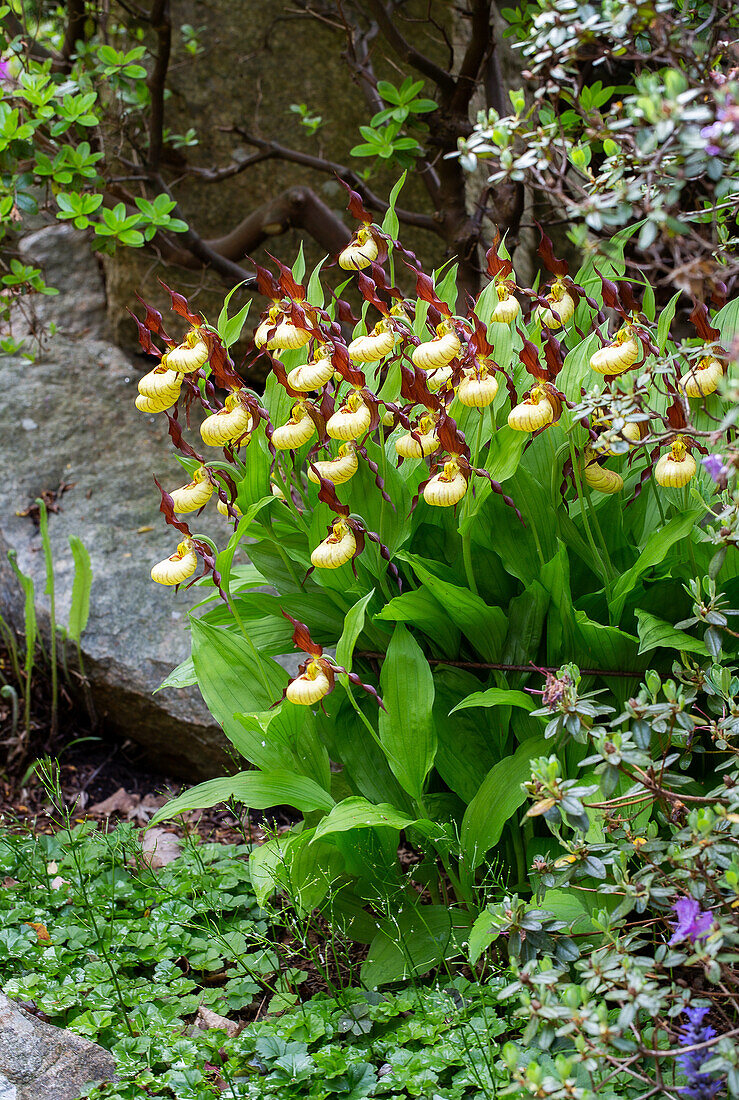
4,69
716,468
692,922
700,1086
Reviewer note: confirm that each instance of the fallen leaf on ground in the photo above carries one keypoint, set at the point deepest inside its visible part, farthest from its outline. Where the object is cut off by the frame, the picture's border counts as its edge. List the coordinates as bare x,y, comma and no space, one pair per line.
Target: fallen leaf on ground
119,802
207,1019
160,848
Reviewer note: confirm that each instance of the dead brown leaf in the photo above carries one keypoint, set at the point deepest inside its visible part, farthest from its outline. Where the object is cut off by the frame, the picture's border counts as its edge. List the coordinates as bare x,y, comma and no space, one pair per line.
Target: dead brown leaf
206,1020
160,848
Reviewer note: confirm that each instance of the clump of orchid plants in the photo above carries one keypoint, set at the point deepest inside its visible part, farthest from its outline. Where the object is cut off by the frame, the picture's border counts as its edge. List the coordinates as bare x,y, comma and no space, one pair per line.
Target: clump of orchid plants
439,500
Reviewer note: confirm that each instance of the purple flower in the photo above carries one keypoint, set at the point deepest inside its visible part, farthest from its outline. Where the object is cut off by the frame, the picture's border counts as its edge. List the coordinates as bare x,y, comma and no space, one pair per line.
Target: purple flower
692,922
4,69
715,466
700,1086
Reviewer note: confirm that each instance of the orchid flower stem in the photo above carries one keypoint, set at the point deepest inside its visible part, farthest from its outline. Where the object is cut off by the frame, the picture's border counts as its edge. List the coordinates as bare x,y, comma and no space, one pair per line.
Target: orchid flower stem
286,486
657,497
467,537
598,531
586,522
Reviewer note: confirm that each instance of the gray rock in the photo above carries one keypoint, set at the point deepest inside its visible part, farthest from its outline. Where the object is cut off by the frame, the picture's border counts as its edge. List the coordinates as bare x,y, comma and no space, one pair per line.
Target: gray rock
41,1062
63,254
80,393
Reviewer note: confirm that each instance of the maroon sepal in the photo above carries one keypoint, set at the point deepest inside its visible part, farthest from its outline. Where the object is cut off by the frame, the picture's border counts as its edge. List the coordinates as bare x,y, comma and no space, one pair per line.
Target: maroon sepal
154,322
267,285
546,251
703,326
529,356
287,282
302,638
180,305
355,206
497,265
147,344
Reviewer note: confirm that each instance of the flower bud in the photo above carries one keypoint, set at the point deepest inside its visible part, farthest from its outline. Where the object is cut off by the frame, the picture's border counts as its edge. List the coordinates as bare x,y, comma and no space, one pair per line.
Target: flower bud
533,413
507,309
351,420
478,387
311,686
276,331
605,481
360,252
181,565
314,374
160,383
227,425
191,497
446,488
408,447
703,378
561,307
336,470
189,355
675,468
437,352
296,431
336,550
617,357
373,347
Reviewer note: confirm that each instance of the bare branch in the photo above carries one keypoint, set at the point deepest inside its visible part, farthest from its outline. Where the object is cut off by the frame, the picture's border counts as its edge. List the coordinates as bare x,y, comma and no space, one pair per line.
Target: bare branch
422,64
478,46
162,24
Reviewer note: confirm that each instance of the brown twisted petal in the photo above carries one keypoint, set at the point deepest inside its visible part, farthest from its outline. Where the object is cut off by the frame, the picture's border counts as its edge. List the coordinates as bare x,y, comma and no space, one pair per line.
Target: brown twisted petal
446,488
437,352
297,431
191,497
160,383
615,358
181,565
336,470
361,251
191,354
221,507
560,300
310,687
506,310
477,392
703,378
351,420
605,481
675,468
156,404
311,376
227,424
373,347
531,415
336,550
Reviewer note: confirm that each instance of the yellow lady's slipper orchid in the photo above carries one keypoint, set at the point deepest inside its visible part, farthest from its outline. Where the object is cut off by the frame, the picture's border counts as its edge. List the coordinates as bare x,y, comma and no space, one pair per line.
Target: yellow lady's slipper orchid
446,488
437,352
160,382
388,419
311,686
374,346
508,307
177,568
196,494
533,413
478,388
351,420
605,481
336,470
609,436
230,423
314,374
675,468
276,331
618,356
703,378
221,507
337,549
438,379
189,355
296,431
561,307
360,252
157,404
426,444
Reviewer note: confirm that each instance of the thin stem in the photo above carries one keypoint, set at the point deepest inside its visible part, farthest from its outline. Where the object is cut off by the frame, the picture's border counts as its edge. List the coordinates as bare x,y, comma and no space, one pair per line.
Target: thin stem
586,523
467,537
